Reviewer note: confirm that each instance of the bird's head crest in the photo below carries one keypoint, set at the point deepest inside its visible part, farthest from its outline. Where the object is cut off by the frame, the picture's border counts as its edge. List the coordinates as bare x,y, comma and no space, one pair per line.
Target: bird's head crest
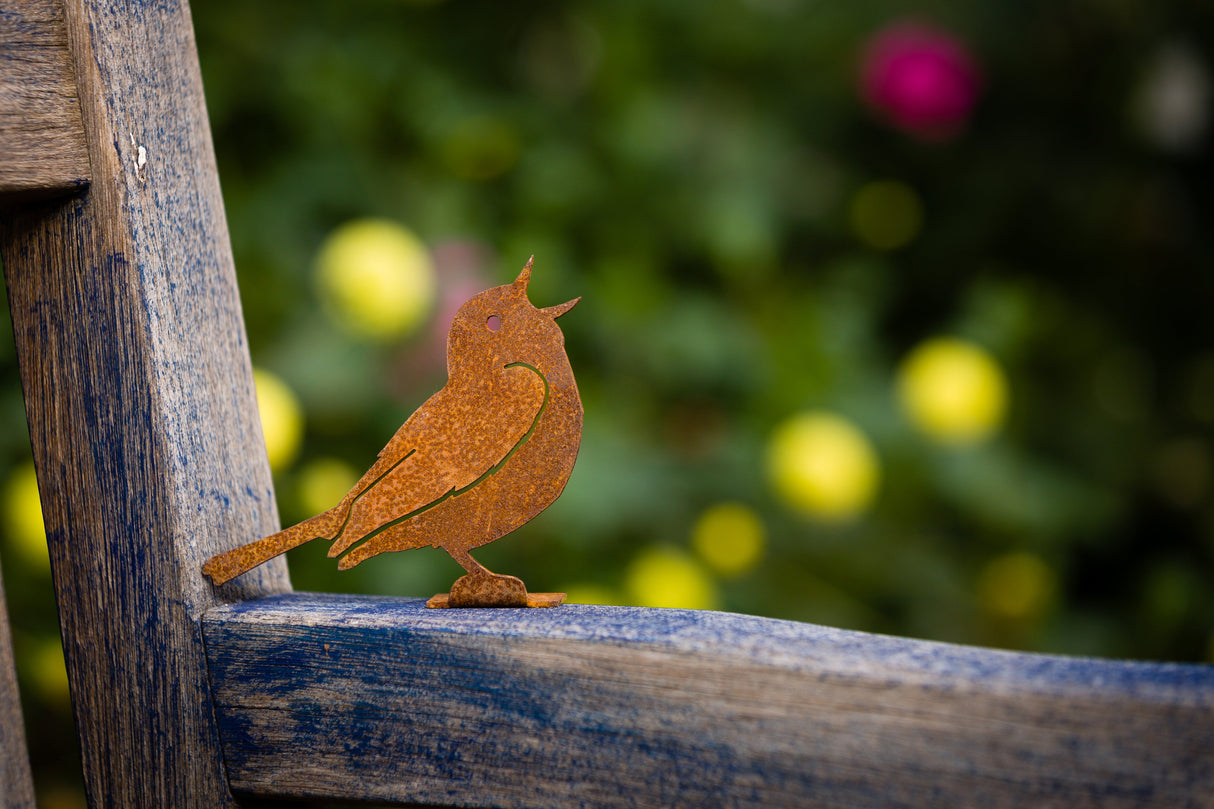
524,277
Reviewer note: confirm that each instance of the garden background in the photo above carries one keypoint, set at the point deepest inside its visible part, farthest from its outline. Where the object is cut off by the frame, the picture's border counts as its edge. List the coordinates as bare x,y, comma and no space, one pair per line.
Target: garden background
896,317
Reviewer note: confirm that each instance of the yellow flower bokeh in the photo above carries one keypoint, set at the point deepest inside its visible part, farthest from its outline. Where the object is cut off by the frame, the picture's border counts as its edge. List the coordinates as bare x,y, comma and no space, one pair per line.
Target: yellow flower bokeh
1016,586
730,538
953,390
323,482
667,577
281,418
823,466
48,670
376,279
23,517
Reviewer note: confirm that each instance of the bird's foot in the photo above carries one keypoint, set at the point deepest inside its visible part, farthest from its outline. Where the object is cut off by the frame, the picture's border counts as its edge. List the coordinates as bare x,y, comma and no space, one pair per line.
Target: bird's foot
493,590
488,590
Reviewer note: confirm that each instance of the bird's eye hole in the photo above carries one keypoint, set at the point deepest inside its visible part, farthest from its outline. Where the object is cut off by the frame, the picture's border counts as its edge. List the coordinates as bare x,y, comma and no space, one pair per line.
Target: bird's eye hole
493,323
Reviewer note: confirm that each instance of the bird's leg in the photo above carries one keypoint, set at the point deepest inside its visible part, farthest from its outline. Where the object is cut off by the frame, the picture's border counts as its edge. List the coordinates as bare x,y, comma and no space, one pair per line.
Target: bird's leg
484,588
469,564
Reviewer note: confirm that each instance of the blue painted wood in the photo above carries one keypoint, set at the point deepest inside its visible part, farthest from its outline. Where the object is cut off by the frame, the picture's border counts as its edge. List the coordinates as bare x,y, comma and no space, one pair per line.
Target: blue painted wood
140,401
381,699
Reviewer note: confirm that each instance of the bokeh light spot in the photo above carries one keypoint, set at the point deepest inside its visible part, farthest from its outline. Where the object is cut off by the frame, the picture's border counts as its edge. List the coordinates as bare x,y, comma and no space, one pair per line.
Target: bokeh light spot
886,214
921,79
323,483
823,466
730,538
666,577
953,390
1016,586
376,279
49,671
23,517
1172,104
281,419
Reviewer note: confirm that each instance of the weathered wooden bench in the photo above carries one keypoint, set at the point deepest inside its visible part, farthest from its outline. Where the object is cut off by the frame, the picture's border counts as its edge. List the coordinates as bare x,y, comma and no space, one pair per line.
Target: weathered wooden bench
150,458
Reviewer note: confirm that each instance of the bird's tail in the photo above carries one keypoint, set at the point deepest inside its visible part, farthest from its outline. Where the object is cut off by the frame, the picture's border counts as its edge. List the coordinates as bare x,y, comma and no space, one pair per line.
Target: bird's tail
226,566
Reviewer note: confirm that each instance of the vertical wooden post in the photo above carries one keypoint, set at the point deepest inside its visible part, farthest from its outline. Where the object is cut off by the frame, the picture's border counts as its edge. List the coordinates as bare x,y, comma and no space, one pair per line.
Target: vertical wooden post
141,407
16,785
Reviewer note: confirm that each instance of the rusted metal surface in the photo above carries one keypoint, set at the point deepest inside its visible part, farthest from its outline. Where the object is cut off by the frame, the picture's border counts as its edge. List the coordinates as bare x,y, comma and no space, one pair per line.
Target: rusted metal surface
481,457
476,590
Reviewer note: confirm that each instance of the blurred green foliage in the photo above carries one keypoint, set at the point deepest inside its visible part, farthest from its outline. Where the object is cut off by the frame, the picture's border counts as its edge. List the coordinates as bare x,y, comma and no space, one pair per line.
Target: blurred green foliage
697,171
691,169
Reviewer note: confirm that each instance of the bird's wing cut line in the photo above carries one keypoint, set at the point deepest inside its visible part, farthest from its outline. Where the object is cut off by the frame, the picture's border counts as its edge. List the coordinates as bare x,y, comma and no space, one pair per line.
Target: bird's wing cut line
367,488
457,492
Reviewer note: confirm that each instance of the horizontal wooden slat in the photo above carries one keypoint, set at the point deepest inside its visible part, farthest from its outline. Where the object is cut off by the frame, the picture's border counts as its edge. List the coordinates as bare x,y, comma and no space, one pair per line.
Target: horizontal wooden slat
42,146
381,699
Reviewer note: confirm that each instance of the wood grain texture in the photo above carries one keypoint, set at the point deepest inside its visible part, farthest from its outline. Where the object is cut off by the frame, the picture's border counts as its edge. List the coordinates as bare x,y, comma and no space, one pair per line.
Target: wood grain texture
381,699
42,148
16,784
140,401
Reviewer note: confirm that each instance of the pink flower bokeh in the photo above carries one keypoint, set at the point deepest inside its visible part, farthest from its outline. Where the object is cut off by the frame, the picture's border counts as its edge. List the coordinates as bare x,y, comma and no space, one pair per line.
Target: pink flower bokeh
462,268
921,79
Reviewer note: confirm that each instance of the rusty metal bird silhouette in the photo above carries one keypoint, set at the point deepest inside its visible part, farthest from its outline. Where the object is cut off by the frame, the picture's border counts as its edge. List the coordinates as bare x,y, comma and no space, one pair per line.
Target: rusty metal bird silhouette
478,459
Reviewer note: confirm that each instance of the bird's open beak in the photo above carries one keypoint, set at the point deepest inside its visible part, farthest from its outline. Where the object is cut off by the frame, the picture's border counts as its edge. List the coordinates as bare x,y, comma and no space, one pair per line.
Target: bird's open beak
561,308
524,278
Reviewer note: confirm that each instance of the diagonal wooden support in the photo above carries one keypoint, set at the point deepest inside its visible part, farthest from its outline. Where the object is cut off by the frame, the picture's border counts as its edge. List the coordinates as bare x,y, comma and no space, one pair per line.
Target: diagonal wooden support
380,699
140,401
